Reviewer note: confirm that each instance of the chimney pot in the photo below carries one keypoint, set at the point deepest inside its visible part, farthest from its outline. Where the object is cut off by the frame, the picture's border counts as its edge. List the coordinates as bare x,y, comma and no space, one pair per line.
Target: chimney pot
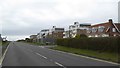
110,20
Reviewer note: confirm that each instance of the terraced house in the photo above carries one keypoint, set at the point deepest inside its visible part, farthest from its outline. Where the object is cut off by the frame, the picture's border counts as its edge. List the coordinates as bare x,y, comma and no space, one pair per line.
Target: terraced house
108,29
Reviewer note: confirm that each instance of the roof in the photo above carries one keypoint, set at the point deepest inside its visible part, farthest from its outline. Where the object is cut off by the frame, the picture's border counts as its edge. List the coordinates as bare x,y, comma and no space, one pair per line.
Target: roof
118,26
59,28
86,25
101,24
33,35
44,30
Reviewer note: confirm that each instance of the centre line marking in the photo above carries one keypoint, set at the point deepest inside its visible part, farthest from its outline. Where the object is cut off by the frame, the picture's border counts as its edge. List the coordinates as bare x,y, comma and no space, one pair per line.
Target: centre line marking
41,55
59,64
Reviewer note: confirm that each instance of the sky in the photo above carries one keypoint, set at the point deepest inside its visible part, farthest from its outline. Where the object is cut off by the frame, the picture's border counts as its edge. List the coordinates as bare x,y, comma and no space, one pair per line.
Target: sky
22,18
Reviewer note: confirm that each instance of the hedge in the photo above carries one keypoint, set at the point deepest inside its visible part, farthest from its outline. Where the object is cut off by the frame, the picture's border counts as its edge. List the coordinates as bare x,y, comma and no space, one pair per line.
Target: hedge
101,44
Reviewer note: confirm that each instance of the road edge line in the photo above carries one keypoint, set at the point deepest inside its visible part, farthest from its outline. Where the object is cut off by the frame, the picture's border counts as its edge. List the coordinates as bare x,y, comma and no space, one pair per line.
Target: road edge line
87,57
2,58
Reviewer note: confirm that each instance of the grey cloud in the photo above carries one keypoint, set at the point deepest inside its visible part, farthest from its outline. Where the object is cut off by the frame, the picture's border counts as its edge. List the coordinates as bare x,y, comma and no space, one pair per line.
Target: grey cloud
17,18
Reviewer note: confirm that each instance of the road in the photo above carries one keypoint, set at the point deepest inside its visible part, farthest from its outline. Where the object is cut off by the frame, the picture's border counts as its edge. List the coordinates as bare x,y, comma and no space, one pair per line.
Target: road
23,54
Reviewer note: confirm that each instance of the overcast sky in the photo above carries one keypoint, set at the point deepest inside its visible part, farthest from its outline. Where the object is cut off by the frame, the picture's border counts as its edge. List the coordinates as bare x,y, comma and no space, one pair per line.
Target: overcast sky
21,18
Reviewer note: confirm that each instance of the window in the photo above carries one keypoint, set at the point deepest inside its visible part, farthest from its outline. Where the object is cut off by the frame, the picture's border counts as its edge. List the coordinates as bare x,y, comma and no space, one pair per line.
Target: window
94,29
96,35
114,34
101,28
89,30
113,30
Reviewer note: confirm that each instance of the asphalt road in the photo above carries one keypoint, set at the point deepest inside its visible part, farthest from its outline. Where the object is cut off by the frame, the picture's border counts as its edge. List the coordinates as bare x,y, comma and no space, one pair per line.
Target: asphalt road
23,54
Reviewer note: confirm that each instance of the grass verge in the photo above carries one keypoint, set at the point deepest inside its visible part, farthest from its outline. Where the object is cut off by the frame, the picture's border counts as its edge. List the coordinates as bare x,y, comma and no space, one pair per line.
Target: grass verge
104,55
4,46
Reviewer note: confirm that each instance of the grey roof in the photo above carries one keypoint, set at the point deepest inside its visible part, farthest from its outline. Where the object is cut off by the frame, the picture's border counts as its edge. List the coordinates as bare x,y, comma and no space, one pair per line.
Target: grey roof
59,28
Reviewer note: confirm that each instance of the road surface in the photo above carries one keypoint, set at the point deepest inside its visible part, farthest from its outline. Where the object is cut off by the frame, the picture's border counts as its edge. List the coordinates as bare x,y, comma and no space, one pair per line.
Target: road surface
23,54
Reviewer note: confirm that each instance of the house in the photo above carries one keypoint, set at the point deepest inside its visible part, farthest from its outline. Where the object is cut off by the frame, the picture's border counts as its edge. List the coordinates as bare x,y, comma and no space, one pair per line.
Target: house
56,32
78,29
33,38
107,29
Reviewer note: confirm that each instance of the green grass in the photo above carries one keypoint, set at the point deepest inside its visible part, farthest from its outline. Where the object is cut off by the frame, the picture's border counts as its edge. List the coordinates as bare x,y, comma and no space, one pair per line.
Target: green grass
0,43
104,55
4,45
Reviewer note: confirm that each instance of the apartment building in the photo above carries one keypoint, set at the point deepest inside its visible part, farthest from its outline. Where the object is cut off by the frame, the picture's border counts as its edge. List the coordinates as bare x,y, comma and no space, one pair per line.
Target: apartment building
107,29
33,38
44,33
56,32
76,29
66,34
49,35
43,36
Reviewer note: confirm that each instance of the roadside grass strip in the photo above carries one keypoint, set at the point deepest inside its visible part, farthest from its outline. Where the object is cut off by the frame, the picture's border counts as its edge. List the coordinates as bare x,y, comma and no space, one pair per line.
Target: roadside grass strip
3,56
94,55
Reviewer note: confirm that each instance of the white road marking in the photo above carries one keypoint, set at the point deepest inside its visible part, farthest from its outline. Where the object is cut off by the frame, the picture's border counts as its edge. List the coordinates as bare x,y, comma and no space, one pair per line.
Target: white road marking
2,58
42,46
88,57
51,60
41,55
59,64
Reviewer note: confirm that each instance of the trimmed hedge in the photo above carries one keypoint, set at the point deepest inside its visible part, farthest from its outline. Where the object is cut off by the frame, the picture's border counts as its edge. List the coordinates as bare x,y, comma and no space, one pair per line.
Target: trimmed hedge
101,44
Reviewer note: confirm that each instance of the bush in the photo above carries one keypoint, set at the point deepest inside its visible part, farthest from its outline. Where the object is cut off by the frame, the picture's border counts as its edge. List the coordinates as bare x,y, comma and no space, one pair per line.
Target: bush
107,44
83,36
80,36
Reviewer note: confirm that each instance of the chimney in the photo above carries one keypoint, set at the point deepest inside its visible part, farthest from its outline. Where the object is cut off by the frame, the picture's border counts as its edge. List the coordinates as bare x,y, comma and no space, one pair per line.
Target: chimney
54,26
75,23
110,21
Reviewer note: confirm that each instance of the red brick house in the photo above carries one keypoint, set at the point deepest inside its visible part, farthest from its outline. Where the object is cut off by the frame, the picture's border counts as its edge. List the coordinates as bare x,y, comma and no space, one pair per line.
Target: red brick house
107,29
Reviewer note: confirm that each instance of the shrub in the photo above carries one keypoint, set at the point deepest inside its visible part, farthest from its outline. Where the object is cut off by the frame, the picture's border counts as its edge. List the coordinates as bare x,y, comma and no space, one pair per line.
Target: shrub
83,36
108,44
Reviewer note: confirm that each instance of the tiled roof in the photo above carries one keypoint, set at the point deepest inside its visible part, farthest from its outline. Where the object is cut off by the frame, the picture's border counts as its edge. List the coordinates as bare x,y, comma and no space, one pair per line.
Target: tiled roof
101,24
118,25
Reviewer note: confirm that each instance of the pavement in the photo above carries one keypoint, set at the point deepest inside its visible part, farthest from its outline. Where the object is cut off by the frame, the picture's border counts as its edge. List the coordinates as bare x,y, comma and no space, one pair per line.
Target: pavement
23,54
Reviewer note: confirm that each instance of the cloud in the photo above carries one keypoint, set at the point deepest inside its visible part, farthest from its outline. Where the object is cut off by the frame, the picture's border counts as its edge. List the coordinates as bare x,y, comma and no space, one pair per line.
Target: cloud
25,17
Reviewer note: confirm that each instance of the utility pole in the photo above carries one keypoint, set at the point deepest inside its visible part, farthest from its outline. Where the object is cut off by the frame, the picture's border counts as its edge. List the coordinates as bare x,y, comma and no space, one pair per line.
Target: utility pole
119,12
